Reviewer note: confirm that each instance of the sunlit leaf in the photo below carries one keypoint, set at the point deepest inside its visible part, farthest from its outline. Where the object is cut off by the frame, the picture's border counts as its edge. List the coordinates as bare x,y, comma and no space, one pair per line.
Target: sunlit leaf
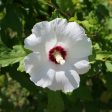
103,56
15,55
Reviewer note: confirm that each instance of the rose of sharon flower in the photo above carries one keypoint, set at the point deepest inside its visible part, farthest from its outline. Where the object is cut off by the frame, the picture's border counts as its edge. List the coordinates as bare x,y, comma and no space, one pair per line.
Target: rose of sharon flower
60,54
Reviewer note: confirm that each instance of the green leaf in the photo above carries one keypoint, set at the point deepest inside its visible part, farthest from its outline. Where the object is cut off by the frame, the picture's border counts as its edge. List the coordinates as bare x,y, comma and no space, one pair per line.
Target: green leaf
87,25
11,26
21,66
65,5
106,96
20,77
55,102
97,47
109,65
12,19
55,14
108,81
109,37
72,19
8,56
103,55
2,79
84,93
109,24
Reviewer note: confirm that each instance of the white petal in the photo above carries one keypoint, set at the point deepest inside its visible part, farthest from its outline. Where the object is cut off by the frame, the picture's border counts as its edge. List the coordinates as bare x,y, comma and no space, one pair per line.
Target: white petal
31,42
38,70
51,32
58,26
65,81
62,44
75,76
42,75
47,79
73,79
75,31
45,31
82,66
38,73
81,48
79,44
32,60
50,44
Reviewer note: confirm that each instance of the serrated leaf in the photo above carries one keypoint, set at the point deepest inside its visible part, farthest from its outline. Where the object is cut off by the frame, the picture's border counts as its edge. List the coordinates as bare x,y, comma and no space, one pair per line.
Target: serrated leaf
15,55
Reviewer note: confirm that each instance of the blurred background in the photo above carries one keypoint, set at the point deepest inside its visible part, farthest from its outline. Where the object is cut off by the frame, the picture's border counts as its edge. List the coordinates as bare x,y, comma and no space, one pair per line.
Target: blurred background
18,93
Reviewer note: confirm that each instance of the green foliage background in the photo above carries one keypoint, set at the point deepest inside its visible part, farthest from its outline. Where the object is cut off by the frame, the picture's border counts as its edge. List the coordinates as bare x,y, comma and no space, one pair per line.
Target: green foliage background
18,93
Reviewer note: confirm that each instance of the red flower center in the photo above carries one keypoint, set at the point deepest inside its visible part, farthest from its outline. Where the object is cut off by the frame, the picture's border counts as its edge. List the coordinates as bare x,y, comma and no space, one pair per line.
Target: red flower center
57,51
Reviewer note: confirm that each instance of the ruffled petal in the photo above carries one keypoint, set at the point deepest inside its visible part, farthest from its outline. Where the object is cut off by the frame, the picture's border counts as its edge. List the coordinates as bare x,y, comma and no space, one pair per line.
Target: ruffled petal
42,30
40,73
65,81
45,31
74,31
58,26
80,49
32,42
42,76
79,44
47,79
49,30
32,61
82,66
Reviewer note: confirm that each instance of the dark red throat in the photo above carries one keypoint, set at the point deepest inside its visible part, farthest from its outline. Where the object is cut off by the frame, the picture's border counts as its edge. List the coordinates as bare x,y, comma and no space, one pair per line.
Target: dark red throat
58,49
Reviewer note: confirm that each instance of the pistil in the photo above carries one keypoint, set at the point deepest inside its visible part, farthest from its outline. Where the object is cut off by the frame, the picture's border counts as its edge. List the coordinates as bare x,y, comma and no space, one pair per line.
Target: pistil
59,58
57,55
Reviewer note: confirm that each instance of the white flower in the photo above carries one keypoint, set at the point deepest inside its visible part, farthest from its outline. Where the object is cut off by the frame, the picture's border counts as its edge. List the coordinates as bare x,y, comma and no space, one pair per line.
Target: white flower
60,53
